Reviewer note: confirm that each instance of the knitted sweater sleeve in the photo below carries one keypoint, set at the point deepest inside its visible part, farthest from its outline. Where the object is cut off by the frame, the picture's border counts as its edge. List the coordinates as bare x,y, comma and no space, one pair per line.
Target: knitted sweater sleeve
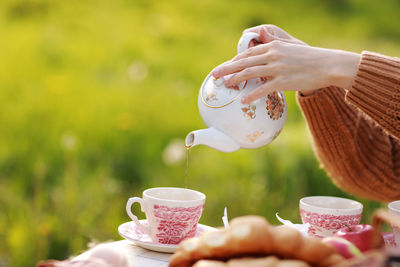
356,134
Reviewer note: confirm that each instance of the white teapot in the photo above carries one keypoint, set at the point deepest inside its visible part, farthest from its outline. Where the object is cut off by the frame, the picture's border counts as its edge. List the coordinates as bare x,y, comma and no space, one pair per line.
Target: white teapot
231,124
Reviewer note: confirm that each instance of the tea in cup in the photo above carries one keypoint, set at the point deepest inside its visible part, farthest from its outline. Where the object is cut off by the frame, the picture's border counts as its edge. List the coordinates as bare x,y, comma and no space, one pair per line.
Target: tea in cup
394,208
172,213
326,215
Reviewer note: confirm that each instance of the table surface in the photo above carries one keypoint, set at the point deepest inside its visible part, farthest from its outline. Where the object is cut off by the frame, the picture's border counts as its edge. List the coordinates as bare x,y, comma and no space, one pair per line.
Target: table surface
137,256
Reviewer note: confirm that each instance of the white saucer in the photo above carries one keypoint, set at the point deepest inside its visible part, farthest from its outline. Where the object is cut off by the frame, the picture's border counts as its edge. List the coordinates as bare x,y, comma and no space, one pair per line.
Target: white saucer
131,232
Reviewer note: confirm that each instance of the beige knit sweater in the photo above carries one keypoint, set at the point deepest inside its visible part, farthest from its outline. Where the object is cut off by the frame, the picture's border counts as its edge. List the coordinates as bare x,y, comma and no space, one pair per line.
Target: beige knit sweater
356,133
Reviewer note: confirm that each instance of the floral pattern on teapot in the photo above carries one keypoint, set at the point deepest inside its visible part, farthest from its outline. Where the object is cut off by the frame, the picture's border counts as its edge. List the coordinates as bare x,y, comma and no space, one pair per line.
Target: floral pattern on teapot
249,111
232,125
211,97
275,105
254,136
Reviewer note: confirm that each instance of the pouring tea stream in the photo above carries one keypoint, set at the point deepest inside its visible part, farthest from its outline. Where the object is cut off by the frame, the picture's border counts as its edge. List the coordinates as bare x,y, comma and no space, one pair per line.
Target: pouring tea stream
231,124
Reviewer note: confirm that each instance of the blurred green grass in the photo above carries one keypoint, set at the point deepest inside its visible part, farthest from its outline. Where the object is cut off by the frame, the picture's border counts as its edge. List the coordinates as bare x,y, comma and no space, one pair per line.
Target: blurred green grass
97,96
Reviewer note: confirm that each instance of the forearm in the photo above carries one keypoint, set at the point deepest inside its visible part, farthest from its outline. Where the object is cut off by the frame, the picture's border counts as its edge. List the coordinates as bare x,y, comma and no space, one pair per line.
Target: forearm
342,68
339,68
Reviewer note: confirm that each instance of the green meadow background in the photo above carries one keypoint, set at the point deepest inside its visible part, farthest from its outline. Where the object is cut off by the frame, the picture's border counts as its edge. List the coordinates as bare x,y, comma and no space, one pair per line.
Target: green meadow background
97,96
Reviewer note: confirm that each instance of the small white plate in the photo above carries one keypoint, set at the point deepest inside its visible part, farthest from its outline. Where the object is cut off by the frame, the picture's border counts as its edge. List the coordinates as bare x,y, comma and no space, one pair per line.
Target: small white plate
131,232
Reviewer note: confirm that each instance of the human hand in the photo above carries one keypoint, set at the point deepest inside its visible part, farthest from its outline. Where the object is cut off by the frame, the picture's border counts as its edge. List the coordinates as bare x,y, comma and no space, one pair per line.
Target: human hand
289,66
269,33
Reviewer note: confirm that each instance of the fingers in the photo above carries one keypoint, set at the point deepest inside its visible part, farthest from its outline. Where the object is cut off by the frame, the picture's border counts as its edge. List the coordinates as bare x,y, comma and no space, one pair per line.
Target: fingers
266,32
255,29
266,35
256,50
260,92
254,43
251,52
239,65
249,73
269,33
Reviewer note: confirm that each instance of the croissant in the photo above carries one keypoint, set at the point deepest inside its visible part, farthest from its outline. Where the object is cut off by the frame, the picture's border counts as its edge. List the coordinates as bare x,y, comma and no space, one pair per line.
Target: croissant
269,261
253,236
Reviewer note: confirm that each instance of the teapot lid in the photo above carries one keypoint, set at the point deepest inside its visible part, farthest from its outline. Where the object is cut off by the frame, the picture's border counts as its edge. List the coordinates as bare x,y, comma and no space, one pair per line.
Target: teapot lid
215,94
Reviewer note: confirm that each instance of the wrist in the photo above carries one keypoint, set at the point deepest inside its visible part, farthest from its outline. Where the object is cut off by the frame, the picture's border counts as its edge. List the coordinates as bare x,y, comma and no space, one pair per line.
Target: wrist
342,68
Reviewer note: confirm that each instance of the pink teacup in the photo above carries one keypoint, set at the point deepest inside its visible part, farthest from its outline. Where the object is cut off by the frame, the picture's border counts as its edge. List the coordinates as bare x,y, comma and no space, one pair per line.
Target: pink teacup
326,215
172,213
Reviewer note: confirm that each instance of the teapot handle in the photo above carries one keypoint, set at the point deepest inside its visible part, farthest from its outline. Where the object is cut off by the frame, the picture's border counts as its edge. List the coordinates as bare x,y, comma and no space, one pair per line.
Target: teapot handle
245,40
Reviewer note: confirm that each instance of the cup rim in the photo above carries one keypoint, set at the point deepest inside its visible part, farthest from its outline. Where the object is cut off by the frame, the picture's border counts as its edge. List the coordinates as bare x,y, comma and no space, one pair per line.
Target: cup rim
358,207
392,204
201,198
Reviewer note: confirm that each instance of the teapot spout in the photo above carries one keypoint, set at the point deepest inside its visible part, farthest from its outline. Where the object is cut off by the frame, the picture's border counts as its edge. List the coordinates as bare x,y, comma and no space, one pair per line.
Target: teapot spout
213,138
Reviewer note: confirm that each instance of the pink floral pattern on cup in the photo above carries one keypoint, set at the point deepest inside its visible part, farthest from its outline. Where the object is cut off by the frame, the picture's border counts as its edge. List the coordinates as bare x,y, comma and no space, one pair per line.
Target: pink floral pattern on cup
327,222
394,209
176,223
388,238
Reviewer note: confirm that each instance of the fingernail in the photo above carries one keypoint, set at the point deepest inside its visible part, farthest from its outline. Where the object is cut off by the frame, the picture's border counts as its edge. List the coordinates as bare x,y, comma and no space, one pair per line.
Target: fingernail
243,100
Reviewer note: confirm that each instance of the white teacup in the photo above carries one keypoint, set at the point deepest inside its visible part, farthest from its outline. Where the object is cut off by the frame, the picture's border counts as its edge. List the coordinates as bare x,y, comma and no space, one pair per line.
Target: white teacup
326,215
394,208
172,213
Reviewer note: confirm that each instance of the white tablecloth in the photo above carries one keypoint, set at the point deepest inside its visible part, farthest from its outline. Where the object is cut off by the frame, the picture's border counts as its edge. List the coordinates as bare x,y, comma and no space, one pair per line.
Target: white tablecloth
137,256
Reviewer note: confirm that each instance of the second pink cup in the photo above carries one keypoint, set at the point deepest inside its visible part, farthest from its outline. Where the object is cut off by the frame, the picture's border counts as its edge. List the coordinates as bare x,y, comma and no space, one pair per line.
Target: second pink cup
326,214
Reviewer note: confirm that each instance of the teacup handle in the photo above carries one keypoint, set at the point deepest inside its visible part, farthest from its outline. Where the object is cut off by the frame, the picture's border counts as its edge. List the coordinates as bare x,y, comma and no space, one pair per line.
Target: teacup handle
129,204
245,40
